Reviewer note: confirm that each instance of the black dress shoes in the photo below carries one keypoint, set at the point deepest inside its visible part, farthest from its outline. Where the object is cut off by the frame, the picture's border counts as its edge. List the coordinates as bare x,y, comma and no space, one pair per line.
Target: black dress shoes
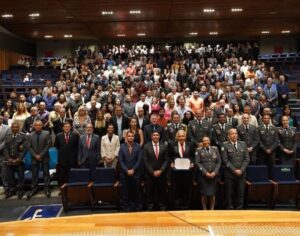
31,193
48,193
20,194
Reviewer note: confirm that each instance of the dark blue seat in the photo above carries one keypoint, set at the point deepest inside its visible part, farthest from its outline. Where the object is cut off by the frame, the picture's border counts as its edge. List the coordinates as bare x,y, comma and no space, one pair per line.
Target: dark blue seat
288,188
258,186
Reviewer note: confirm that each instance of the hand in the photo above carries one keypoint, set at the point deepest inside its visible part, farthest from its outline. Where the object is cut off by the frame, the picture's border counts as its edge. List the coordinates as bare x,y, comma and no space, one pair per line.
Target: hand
238,172
157,173
172,165
16,161
208,175
108,159
212,175
130,172
250,149
191,165
286,150
38,157
269,151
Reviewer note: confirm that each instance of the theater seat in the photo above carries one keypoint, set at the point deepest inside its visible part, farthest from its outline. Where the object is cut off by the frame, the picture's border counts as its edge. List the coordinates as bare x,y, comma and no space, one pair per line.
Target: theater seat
104,190
75,193
288,188
258,186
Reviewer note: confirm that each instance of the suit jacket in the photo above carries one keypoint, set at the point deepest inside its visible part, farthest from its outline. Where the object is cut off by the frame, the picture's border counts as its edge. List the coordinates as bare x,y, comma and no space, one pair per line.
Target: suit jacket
67,152
189,152
28,124
91,154
3,131
58,126
15,148
250,137
208,162
235,159
170,132
211,122
38,99
125,123
110,148
268,139
234,122
287,138
218,136
196,132
41,148
130,161
254,106
150,161
148,129
145,122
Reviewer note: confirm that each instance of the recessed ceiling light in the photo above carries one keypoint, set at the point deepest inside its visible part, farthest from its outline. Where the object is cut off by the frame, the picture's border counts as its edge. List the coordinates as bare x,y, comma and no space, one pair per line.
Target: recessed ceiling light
135,12
104,13
265,32
48,36
273,12
236,9
68,36
141,34
208,10
69,17
34,14
285,31
7,15
121,35
193,33
213,33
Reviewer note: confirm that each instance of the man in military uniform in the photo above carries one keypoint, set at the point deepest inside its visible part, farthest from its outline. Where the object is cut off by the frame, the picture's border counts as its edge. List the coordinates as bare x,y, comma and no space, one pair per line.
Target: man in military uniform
248,134
236,159
287,142
14,152
198,129
172,128
268,142
220,131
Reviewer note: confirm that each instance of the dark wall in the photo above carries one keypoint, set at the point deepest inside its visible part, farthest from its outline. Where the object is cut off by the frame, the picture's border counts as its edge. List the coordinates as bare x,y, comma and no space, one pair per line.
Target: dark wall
14,44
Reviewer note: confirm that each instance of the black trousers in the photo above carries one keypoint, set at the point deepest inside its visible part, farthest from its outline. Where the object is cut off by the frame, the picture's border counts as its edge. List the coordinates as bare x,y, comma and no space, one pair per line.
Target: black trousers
63,173
235,188
156,192
35,174
10,170
130,192
268,160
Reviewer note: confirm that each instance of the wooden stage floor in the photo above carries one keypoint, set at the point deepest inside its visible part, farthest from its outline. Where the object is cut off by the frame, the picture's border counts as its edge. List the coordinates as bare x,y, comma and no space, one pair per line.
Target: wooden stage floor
181,223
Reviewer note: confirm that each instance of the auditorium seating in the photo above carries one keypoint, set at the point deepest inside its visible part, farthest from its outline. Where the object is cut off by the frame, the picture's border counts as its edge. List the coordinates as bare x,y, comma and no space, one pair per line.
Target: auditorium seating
75,193
258,186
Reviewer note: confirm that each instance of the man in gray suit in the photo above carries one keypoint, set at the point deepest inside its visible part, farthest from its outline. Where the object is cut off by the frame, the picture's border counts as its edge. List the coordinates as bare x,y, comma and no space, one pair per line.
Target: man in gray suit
89,150
39,143
236,159
3,131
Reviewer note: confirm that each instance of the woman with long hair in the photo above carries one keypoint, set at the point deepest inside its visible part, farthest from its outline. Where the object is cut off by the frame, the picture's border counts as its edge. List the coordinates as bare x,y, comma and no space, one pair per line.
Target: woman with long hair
187,117
81,119
9,108
100,124
290,115
169,108
20,115
138,133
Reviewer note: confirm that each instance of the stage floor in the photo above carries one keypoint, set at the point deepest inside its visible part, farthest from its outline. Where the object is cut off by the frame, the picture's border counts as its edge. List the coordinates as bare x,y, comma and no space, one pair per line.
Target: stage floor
163,223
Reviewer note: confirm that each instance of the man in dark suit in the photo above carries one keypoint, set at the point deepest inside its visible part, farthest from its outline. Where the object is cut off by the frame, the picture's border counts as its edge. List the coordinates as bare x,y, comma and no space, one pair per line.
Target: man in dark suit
172,128
156,159
28,124
34,99
66,143
236,159
153,126
142,120
89,151
230,118
39,143
248,134
130,158
181,180
209,117
268,142
14,152
119,122
198,129
220,131
58,124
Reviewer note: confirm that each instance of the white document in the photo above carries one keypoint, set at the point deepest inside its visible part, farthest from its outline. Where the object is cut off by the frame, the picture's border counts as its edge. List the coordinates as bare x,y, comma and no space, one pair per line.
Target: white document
182,163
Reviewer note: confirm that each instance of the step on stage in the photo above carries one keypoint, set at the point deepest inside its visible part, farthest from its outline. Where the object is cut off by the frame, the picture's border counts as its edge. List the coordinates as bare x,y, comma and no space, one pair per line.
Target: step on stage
181,223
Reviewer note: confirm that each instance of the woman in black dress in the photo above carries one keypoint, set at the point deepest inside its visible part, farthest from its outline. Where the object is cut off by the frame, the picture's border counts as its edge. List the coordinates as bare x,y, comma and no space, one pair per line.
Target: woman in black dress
208,163
100,124
138,133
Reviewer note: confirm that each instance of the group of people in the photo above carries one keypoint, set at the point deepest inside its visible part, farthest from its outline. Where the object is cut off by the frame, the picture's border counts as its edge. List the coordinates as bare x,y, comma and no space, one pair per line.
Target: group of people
167,120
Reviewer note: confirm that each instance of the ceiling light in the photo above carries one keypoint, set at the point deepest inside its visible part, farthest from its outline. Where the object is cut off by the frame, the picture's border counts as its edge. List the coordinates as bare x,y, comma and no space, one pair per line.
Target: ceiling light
68,35
34,15
135,12
141,34
69,17
213,33
104,13
121,35
265,32
48,36
285,31
193,33
7,15
208,10
236,9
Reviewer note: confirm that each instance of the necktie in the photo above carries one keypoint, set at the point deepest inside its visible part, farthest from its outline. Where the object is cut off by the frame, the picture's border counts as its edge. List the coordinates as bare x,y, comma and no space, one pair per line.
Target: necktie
88,141
67,138
246,128
207,150
223,127
182,150
38,141
229,121
130,149
235,146
156,151
267,128
154,127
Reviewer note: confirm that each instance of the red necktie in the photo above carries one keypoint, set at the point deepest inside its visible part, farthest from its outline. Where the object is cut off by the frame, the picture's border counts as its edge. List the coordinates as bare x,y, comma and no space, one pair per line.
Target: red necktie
88,141
67,138
156,151
182,150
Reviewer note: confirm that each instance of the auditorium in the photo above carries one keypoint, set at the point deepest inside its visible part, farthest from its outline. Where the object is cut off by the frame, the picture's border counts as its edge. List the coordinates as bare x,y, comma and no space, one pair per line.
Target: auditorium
141,117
